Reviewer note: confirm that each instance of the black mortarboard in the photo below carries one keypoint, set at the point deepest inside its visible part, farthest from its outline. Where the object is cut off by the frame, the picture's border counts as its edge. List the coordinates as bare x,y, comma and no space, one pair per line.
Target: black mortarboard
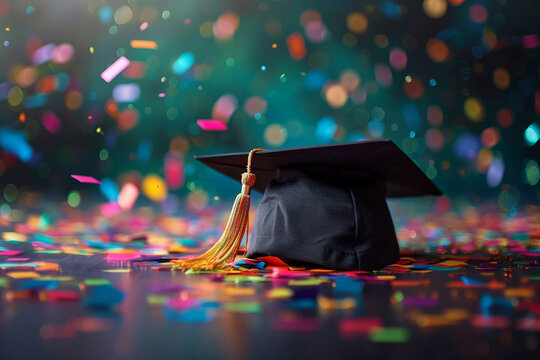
325,205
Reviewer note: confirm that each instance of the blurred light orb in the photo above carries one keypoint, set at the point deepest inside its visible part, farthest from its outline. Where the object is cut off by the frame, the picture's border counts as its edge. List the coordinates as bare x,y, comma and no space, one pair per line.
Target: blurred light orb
357,22
310,16
532,172
505,117
224,107
183,63
10,192
15,96
478,14
435,8
336,95
349,79
123,15
434,139
532,134
398,59
381,41
174,169
255,105
414,88
105,14
467,146
501,78
375,128
437,50
26,76
207,29
316,32
483,160
325,130
490,137
126,92
62,53
474,109
435,115
296,46
154,187
197,200
51,122
225,26
73,99
383,74
275,134
127,119
74,198
495,172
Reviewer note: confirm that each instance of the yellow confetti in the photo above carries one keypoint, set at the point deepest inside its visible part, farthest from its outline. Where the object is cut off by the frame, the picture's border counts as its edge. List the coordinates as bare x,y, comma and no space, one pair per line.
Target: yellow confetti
23,274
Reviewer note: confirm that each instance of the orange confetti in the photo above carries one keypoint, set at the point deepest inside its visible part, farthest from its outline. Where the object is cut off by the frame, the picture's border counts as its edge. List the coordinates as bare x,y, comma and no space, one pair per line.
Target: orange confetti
22,117
297,46
143,44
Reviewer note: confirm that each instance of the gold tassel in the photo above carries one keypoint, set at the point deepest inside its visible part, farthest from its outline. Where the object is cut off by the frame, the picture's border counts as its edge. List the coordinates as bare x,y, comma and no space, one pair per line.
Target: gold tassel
224,250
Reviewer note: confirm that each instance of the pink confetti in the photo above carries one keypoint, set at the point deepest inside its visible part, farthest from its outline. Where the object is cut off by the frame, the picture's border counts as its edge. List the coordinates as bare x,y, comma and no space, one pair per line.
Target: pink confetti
18,259
51,122
128,195
161,95
143,26
530,41
212,125
116,68
297,324
110,209
86,179
10,252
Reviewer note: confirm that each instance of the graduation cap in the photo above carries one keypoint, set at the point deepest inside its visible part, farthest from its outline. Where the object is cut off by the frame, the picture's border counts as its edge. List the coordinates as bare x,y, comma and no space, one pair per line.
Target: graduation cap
322,205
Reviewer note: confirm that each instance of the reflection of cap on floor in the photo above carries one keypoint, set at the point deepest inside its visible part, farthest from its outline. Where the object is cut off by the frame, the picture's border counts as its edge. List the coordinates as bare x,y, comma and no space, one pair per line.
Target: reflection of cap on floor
325,205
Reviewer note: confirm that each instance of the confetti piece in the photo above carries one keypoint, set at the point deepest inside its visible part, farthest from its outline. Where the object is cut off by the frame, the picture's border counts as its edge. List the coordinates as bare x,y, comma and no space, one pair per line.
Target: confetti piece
104,296
128,195
96,282
336,304
86,179
279,293
484,321
297,324
116,68
346,285
10,253
519,292
389,335
239,291
143,44
117,271
243,307
358,326
212,125
59,295
39,284
190,316
23,274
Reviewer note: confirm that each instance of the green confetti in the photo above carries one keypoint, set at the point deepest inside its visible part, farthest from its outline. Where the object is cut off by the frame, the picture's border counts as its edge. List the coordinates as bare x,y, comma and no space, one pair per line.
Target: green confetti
305,282
48,252
116,271
156,299
244,307
241,279
96,282
3,282
390,335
